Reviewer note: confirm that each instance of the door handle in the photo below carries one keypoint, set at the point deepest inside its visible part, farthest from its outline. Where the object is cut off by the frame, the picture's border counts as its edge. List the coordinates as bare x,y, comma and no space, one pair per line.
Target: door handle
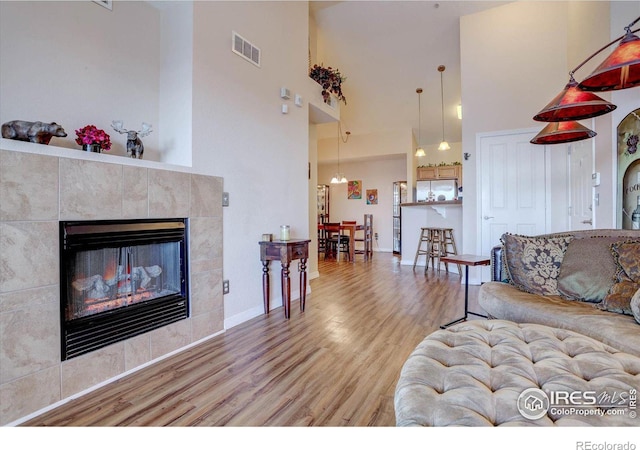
487,217
590,222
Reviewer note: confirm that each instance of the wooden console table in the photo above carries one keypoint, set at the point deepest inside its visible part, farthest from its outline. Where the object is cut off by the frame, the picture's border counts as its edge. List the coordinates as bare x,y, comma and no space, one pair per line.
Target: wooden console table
285,252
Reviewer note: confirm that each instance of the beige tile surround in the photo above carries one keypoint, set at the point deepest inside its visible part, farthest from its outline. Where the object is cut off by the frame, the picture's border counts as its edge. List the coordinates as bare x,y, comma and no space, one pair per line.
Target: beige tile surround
36,191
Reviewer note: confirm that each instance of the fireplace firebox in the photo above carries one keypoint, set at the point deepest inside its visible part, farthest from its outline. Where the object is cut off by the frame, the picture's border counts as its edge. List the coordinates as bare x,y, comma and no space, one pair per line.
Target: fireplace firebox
119,279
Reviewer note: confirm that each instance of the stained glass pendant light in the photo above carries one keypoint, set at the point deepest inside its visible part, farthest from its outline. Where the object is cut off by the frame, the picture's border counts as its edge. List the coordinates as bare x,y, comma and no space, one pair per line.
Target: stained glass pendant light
562,132
621,69
574,104
419,150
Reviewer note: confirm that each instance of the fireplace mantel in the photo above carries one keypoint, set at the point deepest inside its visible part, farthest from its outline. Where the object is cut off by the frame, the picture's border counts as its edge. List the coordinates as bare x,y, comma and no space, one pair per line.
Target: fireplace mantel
105,157
41,185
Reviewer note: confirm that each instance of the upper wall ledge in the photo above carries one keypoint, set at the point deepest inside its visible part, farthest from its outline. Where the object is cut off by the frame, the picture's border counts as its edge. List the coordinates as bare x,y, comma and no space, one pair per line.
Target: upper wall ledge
63,152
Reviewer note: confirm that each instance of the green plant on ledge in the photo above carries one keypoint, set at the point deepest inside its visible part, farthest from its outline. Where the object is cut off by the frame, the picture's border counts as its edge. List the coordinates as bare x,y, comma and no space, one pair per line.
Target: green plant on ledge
331,81
455,163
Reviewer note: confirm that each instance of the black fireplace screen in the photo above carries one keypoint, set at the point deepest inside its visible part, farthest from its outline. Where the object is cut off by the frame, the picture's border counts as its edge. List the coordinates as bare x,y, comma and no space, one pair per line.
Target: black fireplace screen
112,278
120,279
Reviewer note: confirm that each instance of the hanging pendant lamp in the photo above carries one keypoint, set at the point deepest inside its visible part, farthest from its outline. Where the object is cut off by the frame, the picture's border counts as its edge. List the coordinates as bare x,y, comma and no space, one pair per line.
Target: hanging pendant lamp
562,132
574,104
444,145
419,151
621,70
339,177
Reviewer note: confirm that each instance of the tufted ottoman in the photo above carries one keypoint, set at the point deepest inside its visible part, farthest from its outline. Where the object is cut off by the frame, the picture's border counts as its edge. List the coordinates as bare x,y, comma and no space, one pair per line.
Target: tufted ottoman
473,374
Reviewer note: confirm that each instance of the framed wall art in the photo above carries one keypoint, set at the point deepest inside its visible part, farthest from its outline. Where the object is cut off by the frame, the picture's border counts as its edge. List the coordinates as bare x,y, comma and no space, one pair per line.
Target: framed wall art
372,196
354,189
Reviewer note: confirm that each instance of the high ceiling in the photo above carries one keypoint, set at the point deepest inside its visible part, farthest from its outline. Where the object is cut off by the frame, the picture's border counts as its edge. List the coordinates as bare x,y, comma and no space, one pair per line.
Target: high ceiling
388,49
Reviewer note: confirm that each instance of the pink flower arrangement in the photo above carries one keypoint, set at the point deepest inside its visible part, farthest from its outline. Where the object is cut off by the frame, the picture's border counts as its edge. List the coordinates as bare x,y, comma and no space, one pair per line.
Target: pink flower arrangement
90,134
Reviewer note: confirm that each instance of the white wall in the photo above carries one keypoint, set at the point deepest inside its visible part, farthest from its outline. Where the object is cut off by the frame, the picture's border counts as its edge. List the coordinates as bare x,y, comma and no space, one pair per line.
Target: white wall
77,63
240,133
176,81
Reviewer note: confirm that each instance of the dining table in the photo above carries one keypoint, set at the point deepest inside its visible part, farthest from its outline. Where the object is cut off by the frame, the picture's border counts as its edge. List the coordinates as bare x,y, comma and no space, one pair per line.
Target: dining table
351,228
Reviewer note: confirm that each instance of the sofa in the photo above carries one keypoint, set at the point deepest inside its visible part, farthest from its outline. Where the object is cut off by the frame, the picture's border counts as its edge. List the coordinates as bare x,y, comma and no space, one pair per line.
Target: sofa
586,290
564,319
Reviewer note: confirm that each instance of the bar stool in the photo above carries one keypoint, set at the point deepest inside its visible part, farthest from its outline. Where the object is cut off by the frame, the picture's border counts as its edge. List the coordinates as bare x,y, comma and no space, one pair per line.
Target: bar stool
440,242
446,245
426,237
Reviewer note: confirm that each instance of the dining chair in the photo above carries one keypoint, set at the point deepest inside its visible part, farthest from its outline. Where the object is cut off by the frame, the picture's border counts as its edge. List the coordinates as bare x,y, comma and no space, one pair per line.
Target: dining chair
353,238
322,234
336,243
367,237
357,237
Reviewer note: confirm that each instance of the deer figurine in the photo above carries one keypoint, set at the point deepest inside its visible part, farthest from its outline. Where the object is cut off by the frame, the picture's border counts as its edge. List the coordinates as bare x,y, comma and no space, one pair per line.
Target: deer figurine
135,148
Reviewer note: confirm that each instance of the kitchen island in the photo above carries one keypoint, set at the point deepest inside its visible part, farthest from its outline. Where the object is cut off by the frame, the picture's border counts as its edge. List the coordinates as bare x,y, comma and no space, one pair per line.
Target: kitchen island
445,214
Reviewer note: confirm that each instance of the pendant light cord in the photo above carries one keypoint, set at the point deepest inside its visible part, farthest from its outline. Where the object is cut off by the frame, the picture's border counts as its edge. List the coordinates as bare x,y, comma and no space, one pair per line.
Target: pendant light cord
348,133
419,117
339,139
442,100
340,133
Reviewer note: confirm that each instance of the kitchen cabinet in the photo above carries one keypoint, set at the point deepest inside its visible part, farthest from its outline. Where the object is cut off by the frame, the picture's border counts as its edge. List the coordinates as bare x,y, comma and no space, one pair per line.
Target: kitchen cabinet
440,173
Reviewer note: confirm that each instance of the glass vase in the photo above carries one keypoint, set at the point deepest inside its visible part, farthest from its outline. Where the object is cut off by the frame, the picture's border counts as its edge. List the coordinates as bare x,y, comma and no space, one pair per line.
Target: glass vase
92,148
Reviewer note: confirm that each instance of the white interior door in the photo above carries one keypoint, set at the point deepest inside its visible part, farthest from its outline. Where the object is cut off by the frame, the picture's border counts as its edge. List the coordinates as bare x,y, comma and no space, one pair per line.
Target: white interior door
512,188
580,156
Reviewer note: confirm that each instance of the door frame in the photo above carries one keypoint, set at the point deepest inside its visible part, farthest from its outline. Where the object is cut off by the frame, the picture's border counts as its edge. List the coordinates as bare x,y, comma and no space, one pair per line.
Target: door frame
530,132
569,149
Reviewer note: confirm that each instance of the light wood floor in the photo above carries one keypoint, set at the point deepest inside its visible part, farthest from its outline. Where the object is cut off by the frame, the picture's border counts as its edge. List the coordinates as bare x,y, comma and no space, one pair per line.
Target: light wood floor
336,364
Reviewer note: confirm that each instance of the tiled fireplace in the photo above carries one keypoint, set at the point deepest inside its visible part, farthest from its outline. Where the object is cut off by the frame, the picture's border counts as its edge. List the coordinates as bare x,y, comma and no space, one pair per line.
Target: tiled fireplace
119,279
42,186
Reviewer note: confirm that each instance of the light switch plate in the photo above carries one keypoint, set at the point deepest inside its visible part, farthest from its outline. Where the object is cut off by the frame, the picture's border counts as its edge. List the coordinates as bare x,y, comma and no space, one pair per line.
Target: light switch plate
225,199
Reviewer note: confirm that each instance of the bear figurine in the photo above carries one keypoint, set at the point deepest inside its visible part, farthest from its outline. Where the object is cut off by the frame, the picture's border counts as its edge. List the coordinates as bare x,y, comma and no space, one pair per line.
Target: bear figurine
37,132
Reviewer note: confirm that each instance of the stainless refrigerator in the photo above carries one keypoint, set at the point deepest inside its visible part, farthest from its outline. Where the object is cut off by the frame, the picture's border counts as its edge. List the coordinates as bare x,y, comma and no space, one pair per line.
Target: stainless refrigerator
399,196
440,190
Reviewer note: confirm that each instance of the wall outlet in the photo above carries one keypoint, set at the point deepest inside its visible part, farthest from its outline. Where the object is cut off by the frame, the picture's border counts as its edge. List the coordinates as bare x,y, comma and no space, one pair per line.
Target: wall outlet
225,287
375,235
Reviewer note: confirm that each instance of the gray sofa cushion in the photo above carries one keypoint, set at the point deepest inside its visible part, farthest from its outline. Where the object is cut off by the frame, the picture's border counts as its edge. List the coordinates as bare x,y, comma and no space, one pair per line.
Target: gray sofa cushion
588,269
503,301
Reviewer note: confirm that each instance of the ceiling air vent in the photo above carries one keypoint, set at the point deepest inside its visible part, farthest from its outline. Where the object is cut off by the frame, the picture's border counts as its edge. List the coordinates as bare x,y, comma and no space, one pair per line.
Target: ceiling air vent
244,48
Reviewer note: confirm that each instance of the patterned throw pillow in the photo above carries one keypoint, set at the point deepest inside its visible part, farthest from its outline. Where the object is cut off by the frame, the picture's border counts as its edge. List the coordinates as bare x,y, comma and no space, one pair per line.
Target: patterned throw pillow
627,257
618,299
533,263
